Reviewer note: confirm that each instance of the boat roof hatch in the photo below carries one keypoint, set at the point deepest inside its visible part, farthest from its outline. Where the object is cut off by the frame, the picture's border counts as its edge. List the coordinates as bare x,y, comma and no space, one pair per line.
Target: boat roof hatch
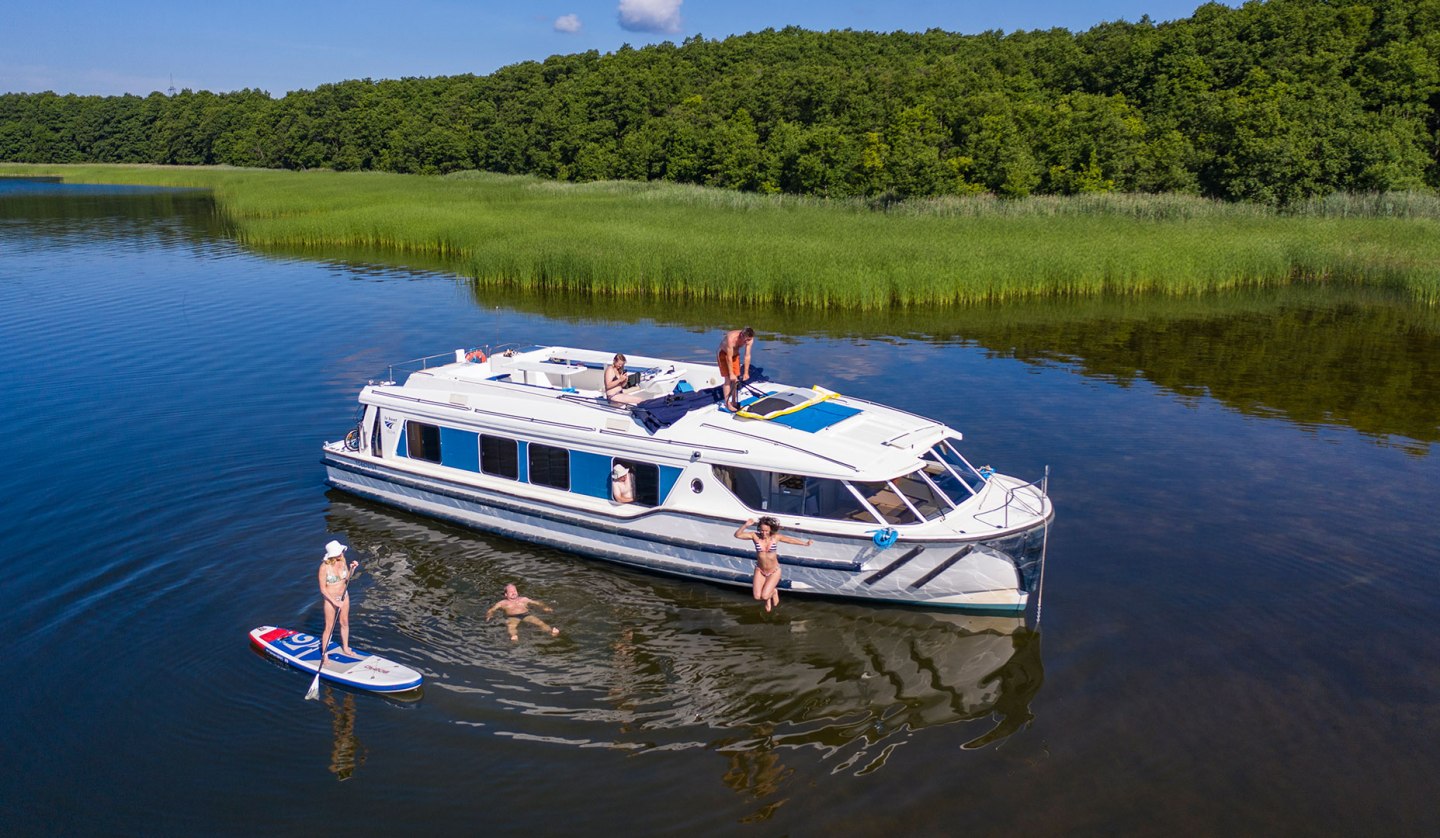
804,411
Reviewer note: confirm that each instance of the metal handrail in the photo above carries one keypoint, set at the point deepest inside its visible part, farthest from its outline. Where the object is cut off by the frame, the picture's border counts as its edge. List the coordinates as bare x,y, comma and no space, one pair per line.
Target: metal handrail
424,363
1011,494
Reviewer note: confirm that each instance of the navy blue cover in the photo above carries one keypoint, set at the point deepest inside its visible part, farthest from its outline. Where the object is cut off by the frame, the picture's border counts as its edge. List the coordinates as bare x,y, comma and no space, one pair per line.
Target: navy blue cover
665,411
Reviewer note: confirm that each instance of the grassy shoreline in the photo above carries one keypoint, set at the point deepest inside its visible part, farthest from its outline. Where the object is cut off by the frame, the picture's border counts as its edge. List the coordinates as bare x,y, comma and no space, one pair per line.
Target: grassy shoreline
669,242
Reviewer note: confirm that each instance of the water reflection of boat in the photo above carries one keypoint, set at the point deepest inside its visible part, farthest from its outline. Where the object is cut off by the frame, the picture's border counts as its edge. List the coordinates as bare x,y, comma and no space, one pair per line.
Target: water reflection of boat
654,659
524,443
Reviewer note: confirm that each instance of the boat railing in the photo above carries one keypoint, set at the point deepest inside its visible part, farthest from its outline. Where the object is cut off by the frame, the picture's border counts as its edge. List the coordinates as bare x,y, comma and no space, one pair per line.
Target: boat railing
417,364
1021,498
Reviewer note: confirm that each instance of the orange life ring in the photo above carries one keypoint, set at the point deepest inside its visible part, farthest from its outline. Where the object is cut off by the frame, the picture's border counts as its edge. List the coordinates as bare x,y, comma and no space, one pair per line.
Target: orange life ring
476,355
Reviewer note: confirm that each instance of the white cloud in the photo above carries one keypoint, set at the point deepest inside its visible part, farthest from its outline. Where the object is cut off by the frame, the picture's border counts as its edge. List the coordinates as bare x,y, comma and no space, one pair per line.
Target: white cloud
567,23
650,15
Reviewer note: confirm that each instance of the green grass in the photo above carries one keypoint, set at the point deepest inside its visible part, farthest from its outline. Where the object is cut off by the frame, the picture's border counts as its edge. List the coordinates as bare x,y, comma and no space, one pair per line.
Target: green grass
667,242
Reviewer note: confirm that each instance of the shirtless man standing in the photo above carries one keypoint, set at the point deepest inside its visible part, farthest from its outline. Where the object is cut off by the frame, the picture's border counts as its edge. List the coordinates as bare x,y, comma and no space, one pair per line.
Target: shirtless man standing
517,610
728,359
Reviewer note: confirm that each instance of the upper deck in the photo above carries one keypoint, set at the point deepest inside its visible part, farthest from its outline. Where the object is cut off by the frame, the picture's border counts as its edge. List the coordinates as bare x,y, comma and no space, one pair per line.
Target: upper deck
559,391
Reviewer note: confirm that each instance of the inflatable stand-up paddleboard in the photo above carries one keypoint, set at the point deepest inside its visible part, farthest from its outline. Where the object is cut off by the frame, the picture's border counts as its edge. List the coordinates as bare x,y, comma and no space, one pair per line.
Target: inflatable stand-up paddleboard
362,670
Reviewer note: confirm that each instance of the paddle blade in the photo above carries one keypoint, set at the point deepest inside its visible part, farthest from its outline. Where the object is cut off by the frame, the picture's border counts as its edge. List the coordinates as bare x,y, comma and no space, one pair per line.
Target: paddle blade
313,694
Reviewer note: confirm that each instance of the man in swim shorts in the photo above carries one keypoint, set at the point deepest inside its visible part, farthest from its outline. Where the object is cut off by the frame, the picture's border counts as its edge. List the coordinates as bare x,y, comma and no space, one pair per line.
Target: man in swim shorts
728,359
517,610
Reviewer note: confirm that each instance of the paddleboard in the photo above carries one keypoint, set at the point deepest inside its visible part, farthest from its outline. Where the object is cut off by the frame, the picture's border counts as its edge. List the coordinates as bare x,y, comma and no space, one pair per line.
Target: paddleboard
362,670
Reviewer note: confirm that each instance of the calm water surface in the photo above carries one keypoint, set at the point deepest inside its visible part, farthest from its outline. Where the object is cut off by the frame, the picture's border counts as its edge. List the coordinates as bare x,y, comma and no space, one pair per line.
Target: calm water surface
1238,617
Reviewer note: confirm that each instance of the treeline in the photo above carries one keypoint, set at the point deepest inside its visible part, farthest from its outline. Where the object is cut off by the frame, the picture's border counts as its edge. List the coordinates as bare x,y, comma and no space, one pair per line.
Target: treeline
1272,102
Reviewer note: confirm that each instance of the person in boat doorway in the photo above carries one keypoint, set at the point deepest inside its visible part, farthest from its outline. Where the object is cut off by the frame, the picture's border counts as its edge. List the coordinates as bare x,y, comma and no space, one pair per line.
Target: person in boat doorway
728,359
517,611
335,578
622,484
767,538
615,378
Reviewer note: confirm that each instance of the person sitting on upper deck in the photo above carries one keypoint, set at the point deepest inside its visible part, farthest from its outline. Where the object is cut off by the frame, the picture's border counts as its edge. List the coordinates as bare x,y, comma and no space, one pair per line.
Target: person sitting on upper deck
615,379
728,360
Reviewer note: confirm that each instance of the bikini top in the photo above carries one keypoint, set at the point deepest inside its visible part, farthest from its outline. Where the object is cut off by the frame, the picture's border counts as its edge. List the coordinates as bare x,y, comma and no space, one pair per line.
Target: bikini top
614,386
762,546
331,578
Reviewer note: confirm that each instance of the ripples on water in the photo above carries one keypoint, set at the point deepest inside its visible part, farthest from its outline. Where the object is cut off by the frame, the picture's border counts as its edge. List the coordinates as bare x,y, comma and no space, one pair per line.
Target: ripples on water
644,664
1237,613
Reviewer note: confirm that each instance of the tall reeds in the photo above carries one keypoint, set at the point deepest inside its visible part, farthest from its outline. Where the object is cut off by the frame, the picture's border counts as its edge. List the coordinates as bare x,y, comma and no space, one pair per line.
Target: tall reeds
664,241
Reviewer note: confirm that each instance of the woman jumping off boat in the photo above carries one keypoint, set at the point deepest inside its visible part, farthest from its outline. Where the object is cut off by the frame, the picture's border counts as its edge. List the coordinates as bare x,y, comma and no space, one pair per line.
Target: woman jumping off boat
767,538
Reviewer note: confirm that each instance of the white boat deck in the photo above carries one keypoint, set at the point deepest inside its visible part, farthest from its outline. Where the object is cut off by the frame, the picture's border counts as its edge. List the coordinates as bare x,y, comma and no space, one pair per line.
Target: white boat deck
874,443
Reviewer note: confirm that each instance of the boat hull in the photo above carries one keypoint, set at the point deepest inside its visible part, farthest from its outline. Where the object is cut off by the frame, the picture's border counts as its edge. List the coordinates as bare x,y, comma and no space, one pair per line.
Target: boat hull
996,574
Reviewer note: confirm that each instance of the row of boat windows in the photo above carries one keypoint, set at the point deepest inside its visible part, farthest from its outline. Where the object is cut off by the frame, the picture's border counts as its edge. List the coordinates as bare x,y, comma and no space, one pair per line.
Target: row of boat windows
944,482
531,462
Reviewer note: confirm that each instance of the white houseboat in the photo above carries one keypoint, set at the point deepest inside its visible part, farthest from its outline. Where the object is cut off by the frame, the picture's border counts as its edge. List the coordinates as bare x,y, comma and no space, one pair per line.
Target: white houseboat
523,443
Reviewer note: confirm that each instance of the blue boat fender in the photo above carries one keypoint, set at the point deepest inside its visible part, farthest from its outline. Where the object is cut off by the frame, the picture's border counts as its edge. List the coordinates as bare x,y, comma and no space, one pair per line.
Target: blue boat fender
886,537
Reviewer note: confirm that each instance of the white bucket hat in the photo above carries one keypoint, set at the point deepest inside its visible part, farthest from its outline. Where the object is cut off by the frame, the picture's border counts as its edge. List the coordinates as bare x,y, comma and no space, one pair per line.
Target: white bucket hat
619,471
334,549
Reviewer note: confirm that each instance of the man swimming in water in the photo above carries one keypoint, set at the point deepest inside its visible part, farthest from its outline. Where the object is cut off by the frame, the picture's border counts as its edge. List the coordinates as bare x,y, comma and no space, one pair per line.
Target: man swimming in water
517,610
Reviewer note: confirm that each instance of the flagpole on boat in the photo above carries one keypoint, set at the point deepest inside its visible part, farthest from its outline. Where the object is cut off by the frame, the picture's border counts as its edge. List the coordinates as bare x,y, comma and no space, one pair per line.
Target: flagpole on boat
1044,548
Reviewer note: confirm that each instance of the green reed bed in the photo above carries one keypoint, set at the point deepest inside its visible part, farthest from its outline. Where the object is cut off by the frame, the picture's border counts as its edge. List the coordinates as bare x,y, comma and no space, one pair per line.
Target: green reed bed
688,243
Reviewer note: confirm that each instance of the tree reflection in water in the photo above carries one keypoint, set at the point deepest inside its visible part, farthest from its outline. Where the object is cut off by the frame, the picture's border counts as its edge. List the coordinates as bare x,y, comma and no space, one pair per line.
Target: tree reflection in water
755,769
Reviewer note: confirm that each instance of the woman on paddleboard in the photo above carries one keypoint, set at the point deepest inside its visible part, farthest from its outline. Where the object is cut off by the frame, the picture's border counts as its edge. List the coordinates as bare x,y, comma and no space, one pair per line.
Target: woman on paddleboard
334,589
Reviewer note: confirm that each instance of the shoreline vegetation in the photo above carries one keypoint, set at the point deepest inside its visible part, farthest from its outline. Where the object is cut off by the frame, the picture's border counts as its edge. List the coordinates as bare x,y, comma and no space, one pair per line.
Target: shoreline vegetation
672,242
1271,103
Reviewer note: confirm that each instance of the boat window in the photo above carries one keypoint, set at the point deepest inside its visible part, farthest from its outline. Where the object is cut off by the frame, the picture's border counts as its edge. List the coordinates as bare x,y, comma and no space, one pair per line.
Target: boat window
549,466
793,494
934,473
921,495
832,499
647,481
376,449
885,501
422,441
499,457
787,494
960,470
749,486
953,487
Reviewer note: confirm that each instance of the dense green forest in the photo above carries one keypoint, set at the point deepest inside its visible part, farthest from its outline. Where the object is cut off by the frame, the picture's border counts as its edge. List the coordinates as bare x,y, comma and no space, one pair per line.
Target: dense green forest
1271,102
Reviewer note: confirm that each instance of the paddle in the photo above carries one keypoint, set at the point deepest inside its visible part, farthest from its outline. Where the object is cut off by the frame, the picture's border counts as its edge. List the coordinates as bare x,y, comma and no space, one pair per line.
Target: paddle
313,693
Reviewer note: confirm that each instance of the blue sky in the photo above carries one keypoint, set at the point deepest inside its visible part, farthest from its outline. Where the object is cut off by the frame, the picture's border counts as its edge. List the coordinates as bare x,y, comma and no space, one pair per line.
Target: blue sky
110,47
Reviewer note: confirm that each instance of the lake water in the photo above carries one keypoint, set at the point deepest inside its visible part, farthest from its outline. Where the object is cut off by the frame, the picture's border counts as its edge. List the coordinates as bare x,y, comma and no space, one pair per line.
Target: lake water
1238,617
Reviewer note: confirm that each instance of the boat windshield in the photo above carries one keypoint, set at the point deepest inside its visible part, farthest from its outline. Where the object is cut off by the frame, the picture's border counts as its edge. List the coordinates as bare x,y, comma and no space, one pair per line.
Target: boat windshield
950,472
907,499
923,496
